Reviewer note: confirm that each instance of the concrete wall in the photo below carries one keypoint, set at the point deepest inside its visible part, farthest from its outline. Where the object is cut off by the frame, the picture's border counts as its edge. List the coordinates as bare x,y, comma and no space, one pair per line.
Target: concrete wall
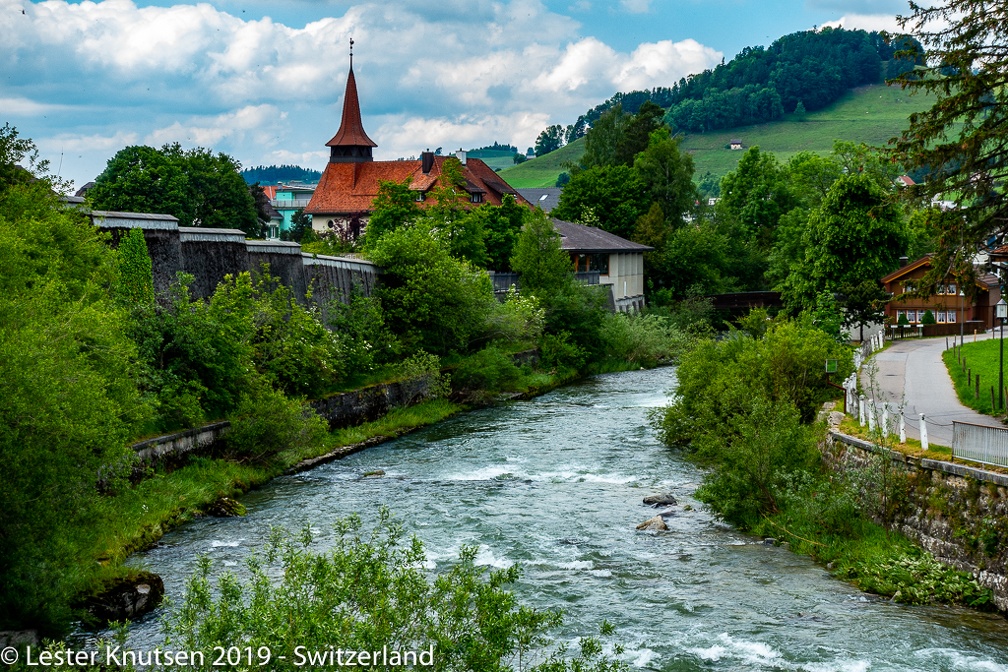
957,512
210,254
344,409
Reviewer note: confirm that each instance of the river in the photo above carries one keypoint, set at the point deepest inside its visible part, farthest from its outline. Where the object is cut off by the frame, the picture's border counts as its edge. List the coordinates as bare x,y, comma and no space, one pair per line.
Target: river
556,484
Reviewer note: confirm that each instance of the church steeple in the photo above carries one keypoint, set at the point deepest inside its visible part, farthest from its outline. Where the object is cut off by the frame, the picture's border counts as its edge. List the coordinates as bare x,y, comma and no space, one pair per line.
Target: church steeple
351,144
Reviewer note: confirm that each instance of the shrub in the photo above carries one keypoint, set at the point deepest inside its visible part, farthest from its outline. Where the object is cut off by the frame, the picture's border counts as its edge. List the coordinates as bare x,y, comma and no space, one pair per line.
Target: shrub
928,318
266,423
488,370
558,353
644,340
370,592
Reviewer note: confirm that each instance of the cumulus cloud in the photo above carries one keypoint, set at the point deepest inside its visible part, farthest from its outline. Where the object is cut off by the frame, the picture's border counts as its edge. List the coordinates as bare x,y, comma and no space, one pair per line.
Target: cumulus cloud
91,77
865,22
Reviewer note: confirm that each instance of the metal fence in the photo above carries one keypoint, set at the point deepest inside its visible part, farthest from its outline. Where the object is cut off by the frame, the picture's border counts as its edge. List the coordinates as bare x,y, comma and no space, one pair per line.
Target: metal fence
977,443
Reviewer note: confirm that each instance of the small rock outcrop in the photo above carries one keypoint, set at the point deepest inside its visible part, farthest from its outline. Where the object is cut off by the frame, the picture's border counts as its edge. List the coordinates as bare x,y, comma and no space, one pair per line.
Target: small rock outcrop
656,524
226,507
661,499
130,598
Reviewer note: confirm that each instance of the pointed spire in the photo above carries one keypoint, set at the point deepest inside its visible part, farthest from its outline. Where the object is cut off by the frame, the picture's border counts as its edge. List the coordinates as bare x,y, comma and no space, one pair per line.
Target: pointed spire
351,144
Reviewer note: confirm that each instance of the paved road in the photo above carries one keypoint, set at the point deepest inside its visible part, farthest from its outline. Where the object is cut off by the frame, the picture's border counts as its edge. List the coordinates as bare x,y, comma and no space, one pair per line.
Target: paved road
911,373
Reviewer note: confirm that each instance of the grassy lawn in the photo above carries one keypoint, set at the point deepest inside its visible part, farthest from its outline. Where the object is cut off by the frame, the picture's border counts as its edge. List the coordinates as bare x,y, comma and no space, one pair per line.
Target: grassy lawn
981,359
912,447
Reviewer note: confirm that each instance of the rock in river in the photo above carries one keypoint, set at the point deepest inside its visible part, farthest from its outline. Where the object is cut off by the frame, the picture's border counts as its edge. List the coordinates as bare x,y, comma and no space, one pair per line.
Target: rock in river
661,499
656,524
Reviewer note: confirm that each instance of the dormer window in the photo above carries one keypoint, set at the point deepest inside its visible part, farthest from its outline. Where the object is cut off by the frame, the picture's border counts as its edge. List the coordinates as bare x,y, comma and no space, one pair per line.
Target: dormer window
476,198
419,197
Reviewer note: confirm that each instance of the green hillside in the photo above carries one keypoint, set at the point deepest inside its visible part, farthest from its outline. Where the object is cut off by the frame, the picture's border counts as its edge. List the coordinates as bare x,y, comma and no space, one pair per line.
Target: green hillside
498,159
543,171
870,114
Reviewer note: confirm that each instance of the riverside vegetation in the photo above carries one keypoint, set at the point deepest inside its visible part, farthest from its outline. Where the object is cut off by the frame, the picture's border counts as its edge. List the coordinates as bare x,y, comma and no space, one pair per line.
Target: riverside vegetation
91,360
746,409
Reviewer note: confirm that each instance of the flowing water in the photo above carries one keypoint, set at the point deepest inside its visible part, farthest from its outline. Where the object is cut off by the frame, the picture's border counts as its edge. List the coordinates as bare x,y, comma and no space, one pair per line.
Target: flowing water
556,484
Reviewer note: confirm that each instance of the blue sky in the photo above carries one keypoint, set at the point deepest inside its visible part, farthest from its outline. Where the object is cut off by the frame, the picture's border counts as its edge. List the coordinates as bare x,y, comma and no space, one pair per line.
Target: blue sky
263,81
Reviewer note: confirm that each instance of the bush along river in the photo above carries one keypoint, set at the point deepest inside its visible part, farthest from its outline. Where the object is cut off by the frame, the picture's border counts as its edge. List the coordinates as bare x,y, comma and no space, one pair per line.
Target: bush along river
556,484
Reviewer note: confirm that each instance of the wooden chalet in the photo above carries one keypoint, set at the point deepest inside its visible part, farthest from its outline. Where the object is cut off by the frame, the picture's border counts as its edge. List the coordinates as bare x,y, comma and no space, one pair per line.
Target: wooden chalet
949,305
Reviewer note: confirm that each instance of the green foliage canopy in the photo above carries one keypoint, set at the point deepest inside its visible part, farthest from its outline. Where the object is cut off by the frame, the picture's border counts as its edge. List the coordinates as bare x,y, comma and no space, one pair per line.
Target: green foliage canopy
197,187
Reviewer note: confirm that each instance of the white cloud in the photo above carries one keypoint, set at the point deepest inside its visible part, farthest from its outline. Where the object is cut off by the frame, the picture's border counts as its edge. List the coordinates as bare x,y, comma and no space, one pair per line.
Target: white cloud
636,6
665,62
865,22
92,77
255,122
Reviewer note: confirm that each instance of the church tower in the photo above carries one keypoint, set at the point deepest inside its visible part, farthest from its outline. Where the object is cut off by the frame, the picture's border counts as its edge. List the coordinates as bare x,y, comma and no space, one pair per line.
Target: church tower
351,144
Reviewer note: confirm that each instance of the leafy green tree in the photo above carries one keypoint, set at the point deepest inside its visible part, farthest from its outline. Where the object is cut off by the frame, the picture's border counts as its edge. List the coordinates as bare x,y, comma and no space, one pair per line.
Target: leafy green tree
431,300
68,402
301,226
960,139
637,135
811,176
610,197
264,210
197,187
755,195
550,140
604,137
853,239
573,312
668,174
538,258
393,207
135,285
501,225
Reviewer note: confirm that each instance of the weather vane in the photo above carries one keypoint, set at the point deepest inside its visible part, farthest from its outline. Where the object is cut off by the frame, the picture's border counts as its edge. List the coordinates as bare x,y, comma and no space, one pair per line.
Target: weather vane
351,53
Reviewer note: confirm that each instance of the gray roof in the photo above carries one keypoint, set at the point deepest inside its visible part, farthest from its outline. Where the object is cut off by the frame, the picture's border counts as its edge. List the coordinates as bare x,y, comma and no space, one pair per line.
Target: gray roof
547,199
578,238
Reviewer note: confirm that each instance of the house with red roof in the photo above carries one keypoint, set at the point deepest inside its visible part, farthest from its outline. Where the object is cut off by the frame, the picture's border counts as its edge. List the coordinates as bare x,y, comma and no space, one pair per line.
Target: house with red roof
343,198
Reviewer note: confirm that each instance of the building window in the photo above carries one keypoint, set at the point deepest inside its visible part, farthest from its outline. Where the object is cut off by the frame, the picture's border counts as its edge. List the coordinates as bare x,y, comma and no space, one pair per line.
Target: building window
599,262
900,314
912,316
940,316
419,196
476,198
951,316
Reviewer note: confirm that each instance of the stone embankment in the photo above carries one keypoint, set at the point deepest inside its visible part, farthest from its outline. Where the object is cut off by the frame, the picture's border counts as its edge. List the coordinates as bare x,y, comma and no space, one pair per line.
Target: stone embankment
956,512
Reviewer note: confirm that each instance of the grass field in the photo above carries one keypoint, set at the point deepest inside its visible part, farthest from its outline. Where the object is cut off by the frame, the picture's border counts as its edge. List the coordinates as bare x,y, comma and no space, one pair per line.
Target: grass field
870,114
543,171
983,358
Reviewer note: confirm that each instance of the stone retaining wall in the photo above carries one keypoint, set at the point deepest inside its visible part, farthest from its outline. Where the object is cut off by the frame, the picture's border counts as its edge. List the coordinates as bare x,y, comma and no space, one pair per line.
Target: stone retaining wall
210,254
957,512
345,409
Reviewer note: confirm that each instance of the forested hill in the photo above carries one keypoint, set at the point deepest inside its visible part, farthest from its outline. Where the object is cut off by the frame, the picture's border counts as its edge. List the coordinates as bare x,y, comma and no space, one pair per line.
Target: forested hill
807,71
280,174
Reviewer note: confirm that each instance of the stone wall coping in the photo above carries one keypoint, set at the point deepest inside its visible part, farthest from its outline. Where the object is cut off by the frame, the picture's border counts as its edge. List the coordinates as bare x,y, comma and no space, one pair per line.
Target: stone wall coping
323,260
107,219
195,233
168,438
273,247
927,463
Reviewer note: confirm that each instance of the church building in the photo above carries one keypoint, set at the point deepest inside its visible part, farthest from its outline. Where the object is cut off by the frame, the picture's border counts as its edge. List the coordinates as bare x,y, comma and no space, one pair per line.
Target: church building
343,200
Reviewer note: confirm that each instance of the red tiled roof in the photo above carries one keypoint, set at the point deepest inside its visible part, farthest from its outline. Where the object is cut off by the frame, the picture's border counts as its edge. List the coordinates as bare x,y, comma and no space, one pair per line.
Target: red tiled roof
270,191
349,188
351,131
